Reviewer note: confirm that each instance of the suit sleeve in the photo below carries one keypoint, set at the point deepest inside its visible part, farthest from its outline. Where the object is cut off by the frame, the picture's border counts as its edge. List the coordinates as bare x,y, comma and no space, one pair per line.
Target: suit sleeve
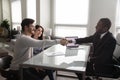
84,40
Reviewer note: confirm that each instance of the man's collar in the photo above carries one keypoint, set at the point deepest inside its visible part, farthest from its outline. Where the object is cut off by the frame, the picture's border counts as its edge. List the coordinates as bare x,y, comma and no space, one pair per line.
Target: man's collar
101,36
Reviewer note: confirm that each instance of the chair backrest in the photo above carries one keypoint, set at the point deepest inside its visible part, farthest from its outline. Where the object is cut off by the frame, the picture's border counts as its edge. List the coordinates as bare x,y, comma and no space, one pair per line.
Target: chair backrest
47,33
5,61
117,49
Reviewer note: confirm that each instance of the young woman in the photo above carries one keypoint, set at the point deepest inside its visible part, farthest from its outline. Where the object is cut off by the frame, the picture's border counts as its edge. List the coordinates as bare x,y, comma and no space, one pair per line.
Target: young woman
38,34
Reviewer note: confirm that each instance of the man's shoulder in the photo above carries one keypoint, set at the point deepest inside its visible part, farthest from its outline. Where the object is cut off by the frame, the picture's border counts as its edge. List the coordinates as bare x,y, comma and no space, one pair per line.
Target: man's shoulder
111,37
109,34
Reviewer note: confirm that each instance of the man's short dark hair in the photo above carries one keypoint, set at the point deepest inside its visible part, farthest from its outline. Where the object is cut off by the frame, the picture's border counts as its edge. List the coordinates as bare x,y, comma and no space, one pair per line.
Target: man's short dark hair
106,22
26,22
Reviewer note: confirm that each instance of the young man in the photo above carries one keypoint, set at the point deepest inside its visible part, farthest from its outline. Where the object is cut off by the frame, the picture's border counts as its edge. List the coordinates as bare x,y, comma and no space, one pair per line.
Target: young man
103,46
24,48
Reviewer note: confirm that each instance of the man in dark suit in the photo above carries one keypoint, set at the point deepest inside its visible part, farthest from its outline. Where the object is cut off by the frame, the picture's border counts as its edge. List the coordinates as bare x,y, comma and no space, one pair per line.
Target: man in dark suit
103,47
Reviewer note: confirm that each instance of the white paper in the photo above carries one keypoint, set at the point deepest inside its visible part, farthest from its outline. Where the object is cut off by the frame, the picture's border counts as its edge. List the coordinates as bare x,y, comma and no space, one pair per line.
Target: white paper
54,53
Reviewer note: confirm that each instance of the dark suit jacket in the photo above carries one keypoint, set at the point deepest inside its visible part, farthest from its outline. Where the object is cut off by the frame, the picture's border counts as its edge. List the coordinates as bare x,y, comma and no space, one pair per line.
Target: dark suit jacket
103,48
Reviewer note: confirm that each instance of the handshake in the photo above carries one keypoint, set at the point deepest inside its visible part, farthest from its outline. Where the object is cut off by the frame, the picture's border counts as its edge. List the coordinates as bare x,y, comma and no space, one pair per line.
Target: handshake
65,41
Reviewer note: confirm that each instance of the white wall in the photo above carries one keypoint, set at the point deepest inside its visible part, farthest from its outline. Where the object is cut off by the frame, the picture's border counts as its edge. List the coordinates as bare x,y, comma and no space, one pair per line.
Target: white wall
6,9
0,10
23,7
45,13
100,9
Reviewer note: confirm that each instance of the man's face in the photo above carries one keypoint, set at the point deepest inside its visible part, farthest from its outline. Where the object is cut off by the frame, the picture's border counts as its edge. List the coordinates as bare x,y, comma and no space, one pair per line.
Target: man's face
31,29
100,28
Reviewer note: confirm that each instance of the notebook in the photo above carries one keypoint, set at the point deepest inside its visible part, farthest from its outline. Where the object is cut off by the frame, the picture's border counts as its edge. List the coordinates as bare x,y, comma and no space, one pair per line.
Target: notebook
71,52
72,45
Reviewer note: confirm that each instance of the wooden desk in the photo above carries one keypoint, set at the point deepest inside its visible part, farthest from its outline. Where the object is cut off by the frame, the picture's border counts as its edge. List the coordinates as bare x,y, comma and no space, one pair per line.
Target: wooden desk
60,57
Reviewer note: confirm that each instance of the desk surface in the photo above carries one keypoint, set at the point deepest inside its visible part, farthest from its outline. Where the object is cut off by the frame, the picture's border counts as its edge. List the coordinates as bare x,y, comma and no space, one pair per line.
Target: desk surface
61,58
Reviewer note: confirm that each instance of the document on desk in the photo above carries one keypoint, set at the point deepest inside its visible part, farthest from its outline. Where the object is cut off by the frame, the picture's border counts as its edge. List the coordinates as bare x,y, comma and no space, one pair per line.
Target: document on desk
54,53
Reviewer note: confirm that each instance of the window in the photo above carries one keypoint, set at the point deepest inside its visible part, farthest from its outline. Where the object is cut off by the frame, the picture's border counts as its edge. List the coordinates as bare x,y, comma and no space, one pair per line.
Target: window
118,17
70,31
71,17
31,9
16,15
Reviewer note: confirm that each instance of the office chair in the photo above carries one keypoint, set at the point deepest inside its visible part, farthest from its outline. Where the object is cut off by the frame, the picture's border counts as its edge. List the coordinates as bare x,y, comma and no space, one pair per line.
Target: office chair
112,71
5,62
107,71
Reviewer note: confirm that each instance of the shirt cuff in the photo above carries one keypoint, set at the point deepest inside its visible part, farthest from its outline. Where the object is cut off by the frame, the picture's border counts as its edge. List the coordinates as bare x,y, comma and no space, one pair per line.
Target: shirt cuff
74,41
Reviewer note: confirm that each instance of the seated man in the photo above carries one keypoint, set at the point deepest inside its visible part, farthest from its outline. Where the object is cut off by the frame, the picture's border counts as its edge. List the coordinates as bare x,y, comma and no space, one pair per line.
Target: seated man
24,50
103,46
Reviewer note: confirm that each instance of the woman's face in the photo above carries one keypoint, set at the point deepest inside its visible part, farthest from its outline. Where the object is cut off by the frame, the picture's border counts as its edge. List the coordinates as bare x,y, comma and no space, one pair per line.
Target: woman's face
38,32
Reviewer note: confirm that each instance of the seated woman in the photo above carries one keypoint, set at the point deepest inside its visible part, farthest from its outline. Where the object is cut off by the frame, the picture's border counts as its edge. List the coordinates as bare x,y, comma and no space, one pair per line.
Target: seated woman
38,35
36,50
